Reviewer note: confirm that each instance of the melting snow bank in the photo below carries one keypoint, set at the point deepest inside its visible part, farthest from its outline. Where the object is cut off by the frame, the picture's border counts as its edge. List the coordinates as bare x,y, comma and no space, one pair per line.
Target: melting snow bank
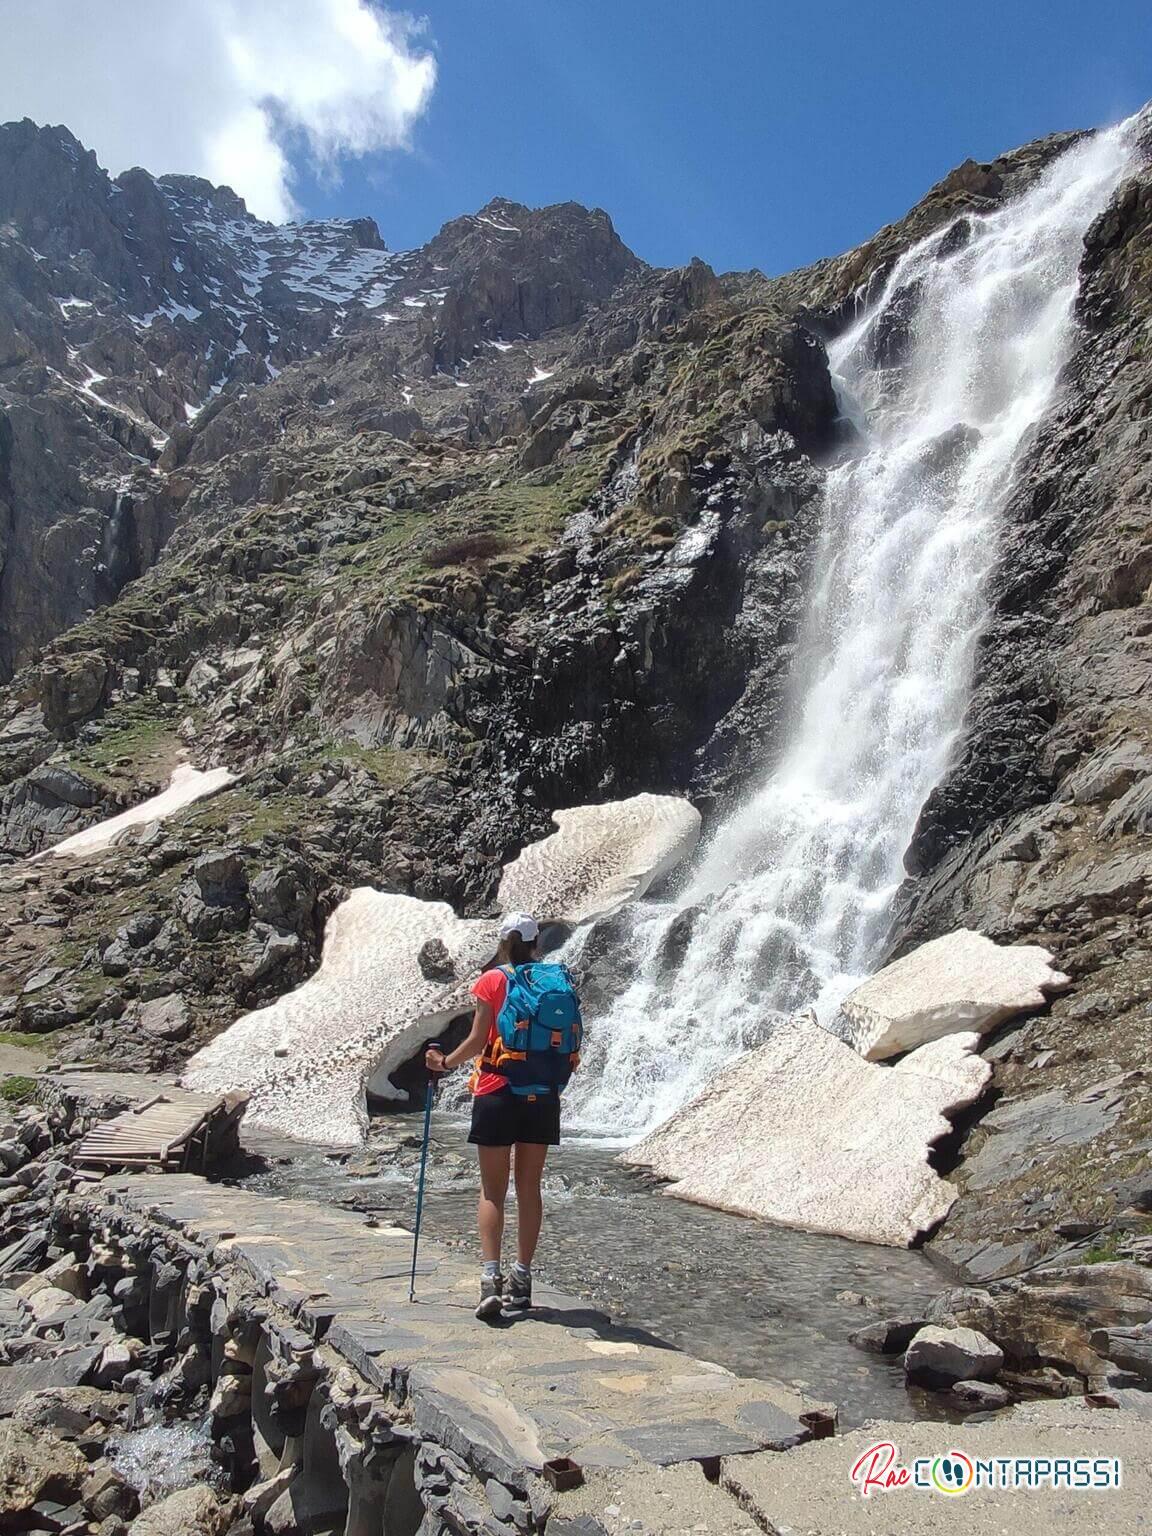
186,786
395,969
807,1133
602,857
960,982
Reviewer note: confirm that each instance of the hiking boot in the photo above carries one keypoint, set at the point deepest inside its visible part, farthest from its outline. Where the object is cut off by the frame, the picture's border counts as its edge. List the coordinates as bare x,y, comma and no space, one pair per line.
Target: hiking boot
491,1296
518,1297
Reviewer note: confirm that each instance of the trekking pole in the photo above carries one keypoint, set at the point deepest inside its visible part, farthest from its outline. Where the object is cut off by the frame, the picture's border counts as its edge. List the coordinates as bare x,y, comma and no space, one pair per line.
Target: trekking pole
428,1098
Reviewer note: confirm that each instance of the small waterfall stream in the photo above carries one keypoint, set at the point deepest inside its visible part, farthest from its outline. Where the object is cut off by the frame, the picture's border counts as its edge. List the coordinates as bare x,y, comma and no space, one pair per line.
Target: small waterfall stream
944,376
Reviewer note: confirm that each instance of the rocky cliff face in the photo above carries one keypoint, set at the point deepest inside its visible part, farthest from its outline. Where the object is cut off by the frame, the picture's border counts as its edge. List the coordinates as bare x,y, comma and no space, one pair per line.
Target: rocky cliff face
1041,831
423,546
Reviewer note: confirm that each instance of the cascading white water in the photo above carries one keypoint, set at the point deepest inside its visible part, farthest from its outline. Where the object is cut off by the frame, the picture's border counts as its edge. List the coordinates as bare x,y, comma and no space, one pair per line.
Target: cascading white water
787,902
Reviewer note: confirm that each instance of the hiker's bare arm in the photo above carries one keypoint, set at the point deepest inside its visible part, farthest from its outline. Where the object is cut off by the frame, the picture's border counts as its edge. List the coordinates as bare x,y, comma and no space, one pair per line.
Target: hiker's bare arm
437,1061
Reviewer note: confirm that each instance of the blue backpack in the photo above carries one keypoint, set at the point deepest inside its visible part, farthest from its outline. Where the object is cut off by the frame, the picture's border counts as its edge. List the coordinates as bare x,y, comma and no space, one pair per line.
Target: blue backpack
538,1030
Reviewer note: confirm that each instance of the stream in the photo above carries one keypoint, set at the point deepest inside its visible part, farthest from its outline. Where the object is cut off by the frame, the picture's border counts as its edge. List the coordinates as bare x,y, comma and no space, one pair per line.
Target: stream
758,1299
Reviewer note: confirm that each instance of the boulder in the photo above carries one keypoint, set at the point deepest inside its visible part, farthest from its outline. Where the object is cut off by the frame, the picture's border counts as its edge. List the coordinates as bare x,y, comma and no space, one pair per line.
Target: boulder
186,786
889,1336
191,1512
283,896
220,875
959,983
986,1396
106,1492
940,1357
35,1467
806,1133
600,858
166,1018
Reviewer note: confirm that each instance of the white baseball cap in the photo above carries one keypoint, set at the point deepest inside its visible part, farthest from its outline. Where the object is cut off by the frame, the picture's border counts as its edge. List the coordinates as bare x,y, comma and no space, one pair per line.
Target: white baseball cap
520,922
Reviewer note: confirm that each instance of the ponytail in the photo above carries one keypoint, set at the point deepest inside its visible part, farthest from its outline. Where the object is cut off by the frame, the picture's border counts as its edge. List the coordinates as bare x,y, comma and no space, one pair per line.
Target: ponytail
517,950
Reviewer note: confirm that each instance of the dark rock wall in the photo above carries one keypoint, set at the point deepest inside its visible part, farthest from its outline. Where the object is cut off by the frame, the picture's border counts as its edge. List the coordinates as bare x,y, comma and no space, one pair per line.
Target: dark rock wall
1041,832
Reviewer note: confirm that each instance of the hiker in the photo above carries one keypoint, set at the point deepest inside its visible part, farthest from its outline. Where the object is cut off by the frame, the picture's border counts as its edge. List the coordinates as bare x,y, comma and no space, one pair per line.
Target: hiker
526,1034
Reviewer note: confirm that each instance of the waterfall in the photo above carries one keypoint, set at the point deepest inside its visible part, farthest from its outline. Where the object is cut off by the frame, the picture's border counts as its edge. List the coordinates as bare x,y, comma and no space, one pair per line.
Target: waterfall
944,376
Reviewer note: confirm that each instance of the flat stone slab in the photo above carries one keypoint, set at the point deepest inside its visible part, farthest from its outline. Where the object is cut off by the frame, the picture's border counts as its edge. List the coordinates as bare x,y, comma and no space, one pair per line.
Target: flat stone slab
807,1133
507,1396
960,982
66,1370
809,1492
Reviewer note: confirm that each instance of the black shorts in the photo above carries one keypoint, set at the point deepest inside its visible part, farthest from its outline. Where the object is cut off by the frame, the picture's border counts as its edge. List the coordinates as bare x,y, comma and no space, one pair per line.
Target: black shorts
503,1118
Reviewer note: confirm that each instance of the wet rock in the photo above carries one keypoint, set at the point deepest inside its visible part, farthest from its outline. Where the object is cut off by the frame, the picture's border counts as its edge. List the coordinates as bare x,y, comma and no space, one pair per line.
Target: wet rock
983,1395
940,1357
890,1336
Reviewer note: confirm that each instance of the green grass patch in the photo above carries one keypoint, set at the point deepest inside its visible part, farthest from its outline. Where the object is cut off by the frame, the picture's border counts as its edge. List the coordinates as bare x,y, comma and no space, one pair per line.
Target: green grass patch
389,766
19,1090
1107,1251
25,1041
137,729
238,814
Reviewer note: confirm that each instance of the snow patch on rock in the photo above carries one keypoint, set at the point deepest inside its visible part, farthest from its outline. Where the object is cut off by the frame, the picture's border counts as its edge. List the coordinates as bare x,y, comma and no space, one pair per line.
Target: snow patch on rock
395,969
957,983
305,1060
186,786
601,858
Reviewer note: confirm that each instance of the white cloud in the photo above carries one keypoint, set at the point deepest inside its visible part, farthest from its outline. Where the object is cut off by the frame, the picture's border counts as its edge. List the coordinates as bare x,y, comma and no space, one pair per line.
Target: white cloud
220,88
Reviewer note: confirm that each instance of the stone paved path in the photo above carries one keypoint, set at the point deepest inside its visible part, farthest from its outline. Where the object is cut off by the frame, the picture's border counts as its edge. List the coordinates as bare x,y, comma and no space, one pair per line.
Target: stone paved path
669,1445
563,1381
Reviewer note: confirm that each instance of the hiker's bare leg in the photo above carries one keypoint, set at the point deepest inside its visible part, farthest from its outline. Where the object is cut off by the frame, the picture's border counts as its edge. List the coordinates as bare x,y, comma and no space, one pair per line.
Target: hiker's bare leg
494,1162
529,1169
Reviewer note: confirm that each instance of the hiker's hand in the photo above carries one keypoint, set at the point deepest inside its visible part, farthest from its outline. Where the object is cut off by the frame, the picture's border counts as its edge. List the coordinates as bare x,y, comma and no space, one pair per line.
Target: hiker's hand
434,1059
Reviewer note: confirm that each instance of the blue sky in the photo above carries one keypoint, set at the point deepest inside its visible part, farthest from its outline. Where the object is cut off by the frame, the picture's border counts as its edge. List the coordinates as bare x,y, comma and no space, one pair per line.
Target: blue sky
748,132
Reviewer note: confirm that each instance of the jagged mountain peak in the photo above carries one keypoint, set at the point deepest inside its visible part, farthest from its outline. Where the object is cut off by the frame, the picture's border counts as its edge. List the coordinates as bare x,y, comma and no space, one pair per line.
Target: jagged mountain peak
137,310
